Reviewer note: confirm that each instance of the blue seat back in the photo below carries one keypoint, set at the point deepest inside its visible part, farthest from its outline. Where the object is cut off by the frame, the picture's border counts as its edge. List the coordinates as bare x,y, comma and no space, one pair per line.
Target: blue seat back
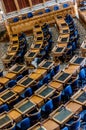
19,77
65,5
25,124
47,10
3,108
28,92
11,83
49,106
56,7
30,14
82,74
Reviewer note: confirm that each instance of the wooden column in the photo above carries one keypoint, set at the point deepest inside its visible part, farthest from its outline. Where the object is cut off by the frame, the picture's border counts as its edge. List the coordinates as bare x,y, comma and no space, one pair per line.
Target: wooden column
17,5
43,1
3,6
30,2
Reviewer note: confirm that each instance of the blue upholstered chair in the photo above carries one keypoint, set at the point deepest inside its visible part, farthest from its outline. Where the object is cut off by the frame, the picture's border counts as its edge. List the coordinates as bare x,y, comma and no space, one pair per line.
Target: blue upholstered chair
82,77
30,15
28,92
65,5
47,10
56,99
57,68
82,114
65,128
1,73
46,78
75,84
52,72
74,123
40,13
3,108
56,7
11,83
35,116
47,108
67,93
24,124
25,72
16,19
19,77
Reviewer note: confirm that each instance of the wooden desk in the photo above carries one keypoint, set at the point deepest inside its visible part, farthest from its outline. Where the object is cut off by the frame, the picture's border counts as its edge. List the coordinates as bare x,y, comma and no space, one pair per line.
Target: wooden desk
63,38
29,56
26,81
41,71
36,46
38,33
37,29
14,38
10,75
45,92
74,106
72,69
35,76
77,60
18,89
50,124
39,101
64,30
5,121
58,51
1,102
62,77
58,86
13,48
15,115
25,106
17,68
7,96
61,115
28,24
4,81
62,45
46,64
7,58
83,48
82,14
80,97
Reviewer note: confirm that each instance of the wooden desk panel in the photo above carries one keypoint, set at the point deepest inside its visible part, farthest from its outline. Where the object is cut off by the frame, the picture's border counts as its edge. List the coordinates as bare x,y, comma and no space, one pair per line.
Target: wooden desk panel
17,68
35,76
80,97
61,115
26,81
25,106
7,95
4,80
62,77
58,86
15,115
46,64
39,101
77,60
51,125
72,69
74,107
28,24
41,71
45,92
10,75
5,121
18,89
